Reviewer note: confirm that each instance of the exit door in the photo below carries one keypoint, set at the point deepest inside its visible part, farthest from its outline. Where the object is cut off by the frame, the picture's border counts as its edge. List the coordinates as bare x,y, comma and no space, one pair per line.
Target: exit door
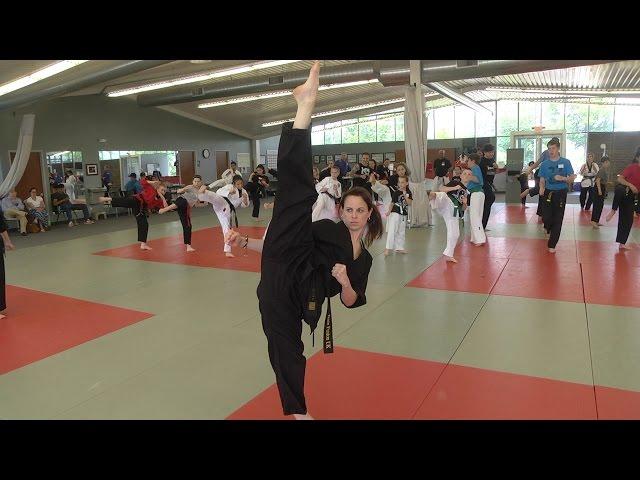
534,144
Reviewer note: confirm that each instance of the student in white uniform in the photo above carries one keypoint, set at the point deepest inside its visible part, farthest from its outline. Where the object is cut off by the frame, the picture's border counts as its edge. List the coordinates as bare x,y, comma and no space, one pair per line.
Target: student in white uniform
224,203
476,201
227,176
450,202
381,188
397,214
589,171
329,192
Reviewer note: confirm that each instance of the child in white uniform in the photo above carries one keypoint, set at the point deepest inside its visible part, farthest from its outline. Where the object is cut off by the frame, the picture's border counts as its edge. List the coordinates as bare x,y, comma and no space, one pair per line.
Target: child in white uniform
329,190
224,203
397,213
227,177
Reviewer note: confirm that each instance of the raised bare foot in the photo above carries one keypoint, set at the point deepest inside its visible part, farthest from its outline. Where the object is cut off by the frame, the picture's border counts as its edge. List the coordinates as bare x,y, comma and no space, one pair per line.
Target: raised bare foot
144,246
306,93
229,255
190,248
299,416
450,259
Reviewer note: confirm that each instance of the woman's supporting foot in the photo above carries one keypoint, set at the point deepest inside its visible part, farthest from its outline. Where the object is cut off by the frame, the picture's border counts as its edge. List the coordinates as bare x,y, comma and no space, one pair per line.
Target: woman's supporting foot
624,246
610,215
144,246
299,416
387,252
229,255
190,248
305,96
450,259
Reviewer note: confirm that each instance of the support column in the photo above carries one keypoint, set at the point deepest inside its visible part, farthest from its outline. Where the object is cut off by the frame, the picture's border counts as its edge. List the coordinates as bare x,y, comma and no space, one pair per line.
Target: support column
415,124
255,153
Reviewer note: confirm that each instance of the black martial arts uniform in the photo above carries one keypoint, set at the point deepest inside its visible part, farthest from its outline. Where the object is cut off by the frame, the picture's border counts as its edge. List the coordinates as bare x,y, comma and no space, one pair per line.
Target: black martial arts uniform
184,212
297,258
486,166
3,284
254,187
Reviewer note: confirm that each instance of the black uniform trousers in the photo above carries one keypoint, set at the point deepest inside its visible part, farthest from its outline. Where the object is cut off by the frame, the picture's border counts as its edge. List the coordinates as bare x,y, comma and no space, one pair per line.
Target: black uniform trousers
138,210
524,184
184,212
553,214
619,192
598,202
586,197
489,198
286,253
628,204
253,189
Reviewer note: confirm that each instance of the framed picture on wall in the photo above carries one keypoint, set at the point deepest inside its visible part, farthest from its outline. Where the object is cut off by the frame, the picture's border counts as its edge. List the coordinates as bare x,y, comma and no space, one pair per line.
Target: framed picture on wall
352,158
329,157
323,158
316,159
390,156
92,169
378,157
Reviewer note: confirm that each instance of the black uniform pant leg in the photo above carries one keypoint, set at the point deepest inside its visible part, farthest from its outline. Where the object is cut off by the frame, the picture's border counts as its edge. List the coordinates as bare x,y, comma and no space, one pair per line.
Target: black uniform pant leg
185,219
141,218
598,204
524,184
290,233
255,200
590,195
557,206
625,218
583,196
618,194
489,199
281,315
546,209
3,283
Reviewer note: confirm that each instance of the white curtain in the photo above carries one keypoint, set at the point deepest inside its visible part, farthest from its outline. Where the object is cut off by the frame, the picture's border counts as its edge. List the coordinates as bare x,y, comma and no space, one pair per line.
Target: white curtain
420,211
22,155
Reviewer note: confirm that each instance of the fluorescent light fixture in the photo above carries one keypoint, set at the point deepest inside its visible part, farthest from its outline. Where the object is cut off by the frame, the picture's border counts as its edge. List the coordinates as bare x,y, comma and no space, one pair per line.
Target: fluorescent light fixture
556,91
38,75
341,110
200,77
280,93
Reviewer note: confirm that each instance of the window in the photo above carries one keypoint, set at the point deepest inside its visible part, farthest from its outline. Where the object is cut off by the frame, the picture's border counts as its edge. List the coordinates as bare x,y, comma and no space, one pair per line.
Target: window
627,118
507,118
576,150
465,122
400,128
367,131
501,149
529,115
576,117
385,130
600,118
317,135
350,131
431,130
332,136
486,123
553,116
444,118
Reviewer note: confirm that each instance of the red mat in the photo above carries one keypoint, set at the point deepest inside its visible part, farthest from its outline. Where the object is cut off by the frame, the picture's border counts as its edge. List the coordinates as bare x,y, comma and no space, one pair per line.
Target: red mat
209,252
353,384
617,404
607,252
40,324
475,393
475,275
611,284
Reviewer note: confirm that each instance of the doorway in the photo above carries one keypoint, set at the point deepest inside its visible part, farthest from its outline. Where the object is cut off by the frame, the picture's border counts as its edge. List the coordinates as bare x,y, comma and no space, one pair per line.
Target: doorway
534,144
222,163
186,166
32,176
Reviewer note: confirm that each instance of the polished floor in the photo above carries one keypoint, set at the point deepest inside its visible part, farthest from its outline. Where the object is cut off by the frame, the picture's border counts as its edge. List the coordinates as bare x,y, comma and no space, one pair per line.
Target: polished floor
97,329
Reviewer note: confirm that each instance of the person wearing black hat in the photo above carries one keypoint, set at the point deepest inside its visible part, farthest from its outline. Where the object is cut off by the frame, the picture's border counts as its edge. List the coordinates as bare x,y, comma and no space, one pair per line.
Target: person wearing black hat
133,185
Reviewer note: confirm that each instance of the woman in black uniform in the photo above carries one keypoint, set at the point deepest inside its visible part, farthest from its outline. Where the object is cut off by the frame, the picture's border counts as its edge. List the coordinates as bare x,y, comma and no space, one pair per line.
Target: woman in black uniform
258,182
4,245
304,262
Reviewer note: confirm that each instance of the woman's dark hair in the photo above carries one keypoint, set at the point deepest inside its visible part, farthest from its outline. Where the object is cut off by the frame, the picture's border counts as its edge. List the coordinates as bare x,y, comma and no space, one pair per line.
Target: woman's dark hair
33,188
402,164
236,178
264,170
374,225
488,148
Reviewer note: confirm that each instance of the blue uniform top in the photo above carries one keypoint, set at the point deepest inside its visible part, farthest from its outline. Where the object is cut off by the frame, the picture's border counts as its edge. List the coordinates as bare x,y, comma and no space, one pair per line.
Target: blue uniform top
550,169
478,174
133,186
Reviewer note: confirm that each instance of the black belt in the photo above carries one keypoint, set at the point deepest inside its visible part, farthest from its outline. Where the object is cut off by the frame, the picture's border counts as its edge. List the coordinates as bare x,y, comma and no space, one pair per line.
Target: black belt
233,212
327,342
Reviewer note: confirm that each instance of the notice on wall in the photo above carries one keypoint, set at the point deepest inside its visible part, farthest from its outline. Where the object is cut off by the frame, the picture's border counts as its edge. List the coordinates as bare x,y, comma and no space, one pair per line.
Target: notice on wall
243,160
272,159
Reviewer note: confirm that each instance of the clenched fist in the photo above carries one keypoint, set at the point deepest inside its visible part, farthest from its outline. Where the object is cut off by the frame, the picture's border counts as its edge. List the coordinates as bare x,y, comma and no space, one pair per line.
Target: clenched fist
233,238
339,272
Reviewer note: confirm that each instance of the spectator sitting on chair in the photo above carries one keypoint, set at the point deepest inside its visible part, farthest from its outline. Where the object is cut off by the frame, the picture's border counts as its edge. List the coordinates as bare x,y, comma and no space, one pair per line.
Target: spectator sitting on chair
36,207
133,185
106,179
62,201
13,207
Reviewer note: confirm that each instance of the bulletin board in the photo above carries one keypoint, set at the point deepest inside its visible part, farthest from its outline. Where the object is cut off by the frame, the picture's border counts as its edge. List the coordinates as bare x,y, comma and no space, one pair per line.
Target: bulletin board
272,159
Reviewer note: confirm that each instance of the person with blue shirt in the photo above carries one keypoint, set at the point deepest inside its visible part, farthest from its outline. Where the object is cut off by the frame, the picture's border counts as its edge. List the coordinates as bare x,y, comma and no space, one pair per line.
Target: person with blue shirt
476,200
557,174
133,185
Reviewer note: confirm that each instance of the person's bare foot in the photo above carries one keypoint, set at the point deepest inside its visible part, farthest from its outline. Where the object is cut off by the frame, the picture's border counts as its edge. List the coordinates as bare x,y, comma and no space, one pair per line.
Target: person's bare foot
552,250
610,215
450,259
595,224
190,248
257,219
2,315
404,252
144,246
387,252
305,96
229,255
624,246
299,416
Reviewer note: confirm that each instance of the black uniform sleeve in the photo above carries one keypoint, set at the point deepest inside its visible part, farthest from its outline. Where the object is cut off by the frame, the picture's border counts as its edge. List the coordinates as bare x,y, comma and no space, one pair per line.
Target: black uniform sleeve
3,225
359,283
